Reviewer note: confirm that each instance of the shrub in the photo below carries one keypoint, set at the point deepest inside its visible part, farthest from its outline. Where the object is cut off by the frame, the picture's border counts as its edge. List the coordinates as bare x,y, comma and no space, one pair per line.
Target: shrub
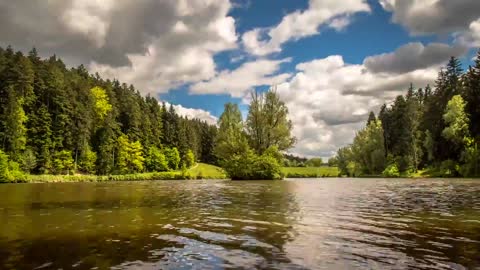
391,171
156,160
173,158
189,159
249,166
448,168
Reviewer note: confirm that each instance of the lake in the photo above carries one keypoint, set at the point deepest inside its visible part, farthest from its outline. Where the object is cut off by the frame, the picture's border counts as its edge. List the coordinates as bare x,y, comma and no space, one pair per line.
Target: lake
290,224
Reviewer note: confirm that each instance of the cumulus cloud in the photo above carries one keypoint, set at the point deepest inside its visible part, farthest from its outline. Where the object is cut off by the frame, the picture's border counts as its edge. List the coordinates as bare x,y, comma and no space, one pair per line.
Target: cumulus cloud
301,24
192,113
329,100
239,81
413,56
155,45
433,16
471,37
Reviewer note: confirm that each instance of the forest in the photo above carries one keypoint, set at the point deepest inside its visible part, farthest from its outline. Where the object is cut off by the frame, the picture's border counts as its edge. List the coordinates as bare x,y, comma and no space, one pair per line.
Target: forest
56,120
59,120
427,132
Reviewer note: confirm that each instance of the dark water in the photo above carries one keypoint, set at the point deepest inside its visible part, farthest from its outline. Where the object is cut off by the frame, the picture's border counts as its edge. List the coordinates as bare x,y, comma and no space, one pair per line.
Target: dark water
294,224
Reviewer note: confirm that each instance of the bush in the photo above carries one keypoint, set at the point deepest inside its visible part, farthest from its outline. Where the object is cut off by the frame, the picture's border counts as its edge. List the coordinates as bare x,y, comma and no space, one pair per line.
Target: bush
173,158
10,170
63,162
391,171
189,159
156,160
249,166
88,158
448,168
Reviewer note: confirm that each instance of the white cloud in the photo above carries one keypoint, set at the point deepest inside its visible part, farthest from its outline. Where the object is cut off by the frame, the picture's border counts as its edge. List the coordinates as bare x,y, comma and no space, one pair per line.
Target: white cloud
433,16
301,24
471,37
191,113
329,100
155,45
241,80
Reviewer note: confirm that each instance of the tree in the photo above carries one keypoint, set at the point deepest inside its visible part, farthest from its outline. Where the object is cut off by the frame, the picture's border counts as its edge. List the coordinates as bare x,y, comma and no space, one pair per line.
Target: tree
189,159
314,162
173,158
267,123
456,121
88,159
368,149
129,155
102,104
231,139
5,175
156,160
63,162
371,118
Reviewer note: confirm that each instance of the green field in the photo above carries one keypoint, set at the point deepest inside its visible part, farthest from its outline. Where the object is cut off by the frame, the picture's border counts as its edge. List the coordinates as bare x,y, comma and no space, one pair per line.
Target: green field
206,171
310,172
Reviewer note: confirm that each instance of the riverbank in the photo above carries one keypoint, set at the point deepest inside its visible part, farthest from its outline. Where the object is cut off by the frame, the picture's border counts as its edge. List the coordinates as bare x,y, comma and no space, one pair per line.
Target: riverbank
199,171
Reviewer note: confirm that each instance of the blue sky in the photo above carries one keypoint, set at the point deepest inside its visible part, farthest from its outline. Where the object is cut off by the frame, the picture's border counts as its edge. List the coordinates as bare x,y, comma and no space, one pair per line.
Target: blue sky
332,61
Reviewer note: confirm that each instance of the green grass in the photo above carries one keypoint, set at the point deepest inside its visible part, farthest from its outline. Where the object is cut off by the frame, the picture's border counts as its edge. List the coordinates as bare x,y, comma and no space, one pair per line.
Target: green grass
207,171
310,172
199,171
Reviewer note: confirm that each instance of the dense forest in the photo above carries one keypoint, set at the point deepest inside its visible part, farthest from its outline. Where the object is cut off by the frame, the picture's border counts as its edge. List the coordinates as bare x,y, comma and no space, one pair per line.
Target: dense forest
435,130
55,120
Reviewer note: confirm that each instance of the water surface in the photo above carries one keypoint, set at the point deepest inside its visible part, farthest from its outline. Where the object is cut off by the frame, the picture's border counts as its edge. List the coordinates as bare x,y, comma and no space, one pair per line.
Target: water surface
291,224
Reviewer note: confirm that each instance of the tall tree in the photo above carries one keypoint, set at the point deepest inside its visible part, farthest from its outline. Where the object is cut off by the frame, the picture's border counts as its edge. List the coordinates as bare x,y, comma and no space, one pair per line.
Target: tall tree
267,124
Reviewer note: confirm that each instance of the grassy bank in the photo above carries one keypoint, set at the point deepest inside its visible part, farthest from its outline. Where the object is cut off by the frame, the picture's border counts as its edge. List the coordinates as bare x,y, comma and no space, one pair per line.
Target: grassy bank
310,172
199,171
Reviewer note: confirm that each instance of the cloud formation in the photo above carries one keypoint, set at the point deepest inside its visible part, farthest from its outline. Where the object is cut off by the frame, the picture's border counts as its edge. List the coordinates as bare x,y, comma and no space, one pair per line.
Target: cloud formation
301,24
241,80
413,56
191,113
433,16
329,100
155,45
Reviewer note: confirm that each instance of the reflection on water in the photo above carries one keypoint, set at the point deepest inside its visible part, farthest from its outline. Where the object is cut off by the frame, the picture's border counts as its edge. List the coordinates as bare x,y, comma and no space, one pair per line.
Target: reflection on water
294,224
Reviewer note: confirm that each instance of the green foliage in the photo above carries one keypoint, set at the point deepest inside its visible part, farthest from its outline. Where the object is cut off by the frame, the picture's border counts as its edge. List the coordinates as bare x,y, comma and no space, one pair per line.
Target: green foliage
189,159
130,156
9,170
456,121
267,122
310,172
28,161
88,159
48,108
314,162
231,140
5,175
102,103
391,171
156,160
368,151
63,162
250,166
173,158
471,159
448,168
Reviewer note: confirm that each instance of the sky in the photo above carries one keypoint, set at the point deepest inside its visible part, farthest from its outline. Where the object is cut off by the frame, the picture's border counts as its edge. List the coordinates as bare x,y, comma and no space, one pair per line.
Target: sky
331,61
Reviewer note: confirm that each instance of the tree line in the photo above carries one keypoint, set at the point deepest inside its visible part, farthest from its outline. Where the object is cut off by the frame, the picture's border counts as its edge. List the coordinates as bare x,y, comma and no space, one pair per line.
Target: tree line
434,129
56,120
